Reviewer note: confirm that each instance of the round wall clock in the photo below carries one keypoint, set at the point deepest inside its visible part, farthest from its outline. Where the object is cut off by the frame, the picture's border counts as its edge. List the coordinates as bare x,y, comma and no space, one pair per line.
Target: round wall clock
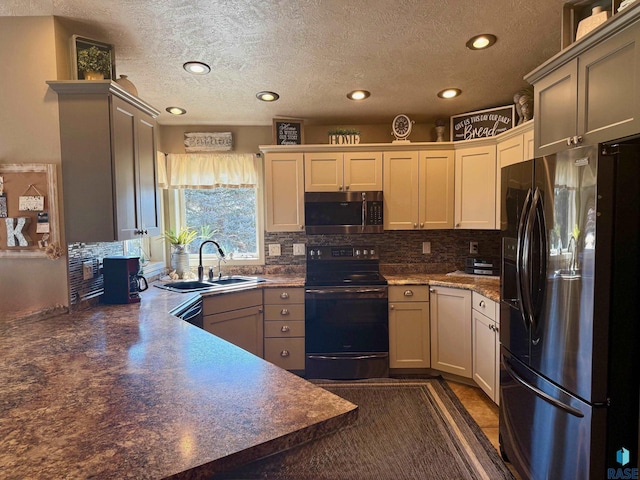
401,126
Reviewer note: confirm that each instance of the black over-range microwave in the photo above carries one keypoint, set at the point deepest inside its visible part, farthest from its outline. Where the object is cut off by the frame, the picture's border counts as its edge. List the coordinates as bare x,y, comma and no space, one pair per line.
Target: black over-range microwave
343,212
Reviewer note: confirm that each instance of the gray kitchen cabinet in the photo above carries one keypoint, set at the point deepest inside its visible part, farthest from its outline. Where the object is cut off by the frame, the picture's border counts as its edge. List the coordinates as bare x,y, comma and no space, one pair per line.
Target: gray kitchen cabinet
451,330
409,333
108,144
486,345
236,317
284,327
589,93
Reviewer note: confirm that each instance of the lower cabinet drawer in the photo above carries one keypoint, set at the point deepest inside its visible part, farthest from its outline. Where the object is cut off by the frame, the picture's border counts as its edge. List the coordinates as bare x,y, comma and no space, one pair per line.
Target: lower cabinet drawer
284,312
284,328
287,353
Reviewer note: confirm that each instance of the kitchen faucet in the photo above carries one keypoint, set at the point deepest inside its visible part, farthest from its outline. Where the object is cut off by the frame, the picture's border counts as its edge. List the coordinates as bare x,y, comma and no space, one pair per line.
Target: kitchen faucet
200,267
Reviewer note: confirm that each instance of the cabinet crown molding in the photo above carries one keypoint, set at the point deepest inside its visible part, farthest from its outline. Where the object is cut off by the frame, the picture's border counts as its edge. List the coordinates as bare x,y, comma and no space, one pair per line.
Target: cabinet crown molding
71,87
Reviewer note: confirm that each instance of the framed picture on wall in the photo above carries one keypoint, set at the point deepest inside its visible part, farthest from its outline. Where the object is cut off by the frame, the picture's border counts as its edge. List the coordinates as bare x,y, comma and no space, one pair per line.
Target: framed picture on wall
288,131
91,59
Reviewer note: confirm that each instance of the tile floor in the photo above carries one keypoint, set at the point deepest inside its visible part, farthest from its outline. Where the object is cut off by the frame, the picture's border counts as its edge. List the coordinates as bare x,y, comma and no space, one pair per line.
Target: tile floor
483,411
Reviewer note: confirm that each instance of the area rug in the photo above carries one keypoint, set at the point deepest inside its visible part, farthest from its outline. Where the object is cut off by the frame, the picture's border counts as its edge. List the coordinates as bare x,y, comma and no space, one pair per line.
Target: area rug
406,429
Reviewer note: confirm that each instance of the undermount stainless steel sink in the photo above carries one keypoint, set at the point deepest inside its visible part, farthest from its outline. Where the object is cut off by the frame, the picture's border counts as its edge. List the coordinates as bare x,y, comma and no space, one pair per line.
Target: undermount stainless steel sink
197,286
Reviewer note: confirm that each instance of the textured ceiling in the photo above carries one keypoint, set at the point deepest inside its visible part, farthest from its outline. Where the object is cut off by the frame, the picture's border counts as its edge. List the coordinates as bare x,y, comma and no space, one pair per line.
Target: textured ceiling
313,52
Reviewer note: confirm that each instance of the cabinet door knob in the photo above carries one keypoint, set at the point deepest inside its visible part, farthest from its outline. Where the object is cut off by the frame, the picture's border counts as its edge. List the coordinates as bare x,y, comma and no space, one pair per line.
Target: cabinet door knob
432,290
408,293
457,225
415,225
340,187
301,227
284,311
284,295
285,328
347,187
421,224
391,306
284,353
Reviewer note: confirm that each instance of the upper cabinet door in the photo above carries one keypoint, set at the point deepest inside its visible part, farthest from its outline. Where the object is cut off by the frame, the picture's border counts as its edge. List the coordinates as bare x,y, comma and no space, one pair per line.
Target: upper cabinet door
284,192
149,205
475,186
556,104
363,171
323,172
400,187
437,189
608,88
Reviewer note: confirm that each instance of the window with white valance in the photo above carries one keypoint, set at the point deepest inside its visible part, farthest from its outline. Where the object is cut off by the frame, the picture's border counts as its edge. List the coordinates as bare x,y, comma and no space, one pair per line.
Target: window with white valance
207,170
216,193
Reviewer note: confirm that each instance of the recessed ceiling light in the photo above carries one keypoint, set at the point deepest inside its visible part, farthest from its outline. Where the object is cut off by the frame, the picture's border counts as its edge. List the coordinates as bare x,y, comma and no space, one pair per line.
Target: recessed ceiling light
481,41
358,95
176,110
267,96
450,93
197,68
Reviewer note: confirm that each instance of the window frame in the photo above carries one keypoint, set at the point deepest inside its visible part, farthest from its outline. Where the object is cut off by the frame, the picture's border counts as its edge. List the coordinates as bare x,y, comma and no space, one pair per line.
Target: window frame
176,218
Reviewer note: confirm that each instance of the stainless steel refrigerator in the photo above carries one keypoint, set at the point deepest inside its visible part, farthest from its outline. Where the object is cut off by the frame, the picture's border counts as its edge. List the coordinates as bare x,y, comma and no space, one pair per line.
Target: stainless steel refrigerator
570,313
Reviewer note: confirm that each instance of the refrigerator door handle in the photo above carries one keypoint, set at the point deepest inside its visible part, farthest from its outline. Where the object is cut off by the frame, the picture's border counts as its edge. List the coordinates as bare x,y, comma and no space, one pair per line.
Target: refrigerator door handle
527,294
520,256
539,393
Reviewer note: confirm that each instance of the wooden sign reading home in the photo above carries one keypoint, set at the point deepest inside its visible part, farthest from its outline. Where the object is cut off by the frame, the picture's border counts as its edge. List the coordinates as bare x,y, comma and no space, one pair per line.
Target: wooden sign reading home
208,142
483,123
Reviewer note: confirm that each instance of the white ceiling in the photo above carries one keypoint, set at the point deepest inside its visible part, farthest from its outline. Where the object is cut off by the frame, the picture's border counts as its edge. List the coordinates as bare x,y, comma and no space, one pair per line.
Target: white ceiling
313,52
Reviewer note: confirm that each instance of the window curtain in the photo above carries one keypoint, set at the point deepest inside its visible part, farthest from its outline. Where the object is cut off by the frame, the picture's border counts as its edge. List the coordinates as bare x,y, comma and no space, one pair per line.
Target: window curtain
208,170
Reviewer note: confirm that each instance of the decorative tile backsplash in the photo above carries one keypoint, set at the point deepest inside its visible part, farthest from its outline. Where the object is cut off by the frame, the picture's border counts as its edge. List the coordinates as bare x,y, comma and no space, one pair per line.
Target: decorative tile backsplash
81,290
398,250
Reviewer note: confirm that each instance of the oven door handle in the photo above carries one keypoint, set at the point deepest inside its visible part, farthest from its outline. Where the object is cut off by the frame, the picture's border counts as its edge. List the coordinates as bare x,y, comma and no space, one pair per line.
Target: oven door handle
343,357
364,211
345,290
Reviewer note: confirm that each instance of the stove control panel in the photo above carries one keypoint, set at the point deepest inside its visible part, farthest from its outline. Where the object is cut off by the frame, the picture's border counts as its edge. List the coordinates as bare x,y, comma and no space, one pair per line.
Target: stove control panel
315,253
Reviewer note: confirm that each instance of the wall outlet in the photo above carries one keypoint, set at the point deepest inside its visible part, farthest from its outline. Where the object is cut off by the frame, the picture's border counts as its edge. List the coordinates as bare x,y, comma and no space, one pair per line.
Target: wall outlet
87,270
298,249
426,247
473,247
274,250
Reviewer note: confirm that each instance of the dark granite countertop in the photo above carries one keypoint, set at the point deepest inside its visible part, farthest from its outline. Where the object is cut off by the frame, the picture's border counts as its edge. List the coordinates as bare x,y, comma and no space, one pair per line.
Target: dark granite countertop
487,286
129,391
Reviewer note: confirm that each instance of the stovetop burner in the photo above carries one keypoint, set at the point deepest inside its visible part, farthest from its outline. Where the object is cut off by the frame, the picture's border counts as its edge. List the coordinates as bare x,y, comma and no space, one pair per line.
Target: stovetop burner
343,266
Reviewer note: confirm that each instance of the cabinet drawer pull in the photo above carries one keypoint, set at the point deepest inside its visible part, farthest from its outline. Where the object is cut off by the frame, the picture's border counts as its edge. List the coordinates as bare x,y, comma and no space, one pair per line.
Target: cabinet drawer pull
408,293
284,295
284,353
285,328
482,304
284,311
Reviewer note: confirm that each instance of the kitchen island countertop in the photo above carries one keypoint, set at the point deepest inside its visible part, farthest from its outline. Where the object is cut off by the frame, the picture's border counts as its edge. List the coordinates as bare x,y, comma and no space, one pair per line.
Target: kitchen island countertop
129,391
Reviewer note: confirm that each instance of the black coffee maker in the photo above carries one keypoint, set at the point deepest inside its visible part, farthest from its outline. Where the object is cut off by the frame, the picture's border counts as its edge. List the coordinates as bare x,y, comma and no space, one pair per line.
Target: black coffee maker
122,280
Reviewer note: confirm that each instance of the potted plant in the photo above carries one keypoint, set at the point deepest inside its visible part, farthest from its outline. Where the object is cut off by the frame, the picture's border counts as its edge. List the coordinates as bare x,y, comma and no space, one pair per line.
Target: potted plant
94,63
344,136
180,241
